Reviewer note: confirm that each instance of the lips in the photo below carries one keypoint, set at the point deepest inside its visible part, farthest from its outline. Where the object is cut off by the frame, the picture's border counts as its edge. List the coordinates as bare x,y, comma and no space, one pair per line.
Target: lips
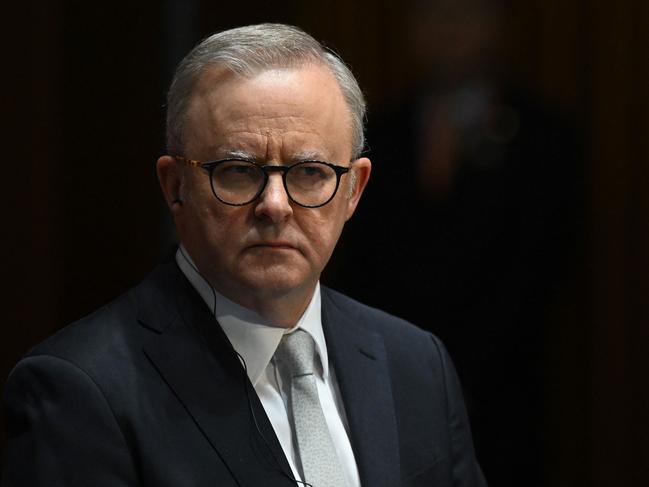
274,245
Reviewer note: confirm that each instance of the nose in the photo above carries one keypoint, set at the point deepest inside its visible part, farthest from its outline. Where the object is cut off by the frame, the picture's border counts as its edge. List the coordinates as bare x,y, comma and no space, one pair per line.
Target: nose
273,203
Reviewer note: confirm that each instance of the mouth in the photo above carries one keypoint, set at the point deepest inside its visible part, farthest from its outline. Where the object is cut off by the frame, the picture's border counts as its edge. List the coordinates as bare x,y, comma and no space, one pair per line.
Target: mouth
274,245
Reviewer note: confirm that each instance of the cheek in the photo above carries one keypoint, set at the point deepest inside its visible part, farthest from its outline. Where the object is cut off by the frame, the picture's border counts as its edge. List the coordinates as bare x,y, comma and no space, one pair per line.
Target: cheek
322,231
211,226
224,226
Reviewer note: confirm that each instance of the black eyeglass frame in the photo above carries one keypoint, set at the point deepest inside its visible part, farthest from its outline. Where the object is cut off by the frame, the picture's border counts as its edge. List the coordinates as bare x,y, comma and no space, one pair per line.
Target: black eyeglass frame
209,167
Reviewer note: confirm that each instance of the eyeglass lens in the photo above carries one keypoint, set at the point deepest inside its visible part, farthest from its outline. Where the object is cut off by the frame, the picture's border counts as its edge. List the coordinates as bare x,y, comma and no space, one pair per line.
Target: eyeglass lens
307,183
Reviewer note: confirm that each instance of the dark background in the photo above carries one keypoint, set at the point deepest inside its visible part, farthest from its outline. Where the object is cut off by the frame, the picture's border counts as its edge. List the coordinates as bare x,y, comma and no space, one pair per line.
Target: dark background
517,231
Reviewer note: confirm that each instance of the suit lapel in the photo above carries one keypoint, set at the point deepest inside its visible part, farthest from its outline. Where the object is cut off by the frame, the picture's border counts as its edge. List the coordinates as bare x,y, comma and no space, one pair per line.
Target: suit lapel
196,360
360,363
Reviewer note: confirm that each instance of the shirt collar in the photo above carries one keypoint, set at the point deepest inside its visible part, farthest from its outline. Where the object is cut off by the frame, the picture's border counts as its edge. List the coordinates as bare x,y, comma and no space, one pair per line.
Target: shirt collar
251,335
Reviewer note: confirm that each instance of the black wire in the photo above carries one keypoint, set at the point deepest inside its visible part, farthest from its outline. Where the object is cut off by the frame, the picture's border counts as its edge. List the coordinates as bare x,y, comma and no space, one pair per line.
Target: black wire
246,382
254,418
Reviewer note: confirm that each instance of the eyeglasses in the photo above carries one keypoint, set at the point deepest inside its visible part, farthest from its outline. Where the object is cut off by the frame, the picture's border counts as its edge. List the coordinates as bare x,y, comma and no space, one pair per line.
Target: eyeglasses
236,182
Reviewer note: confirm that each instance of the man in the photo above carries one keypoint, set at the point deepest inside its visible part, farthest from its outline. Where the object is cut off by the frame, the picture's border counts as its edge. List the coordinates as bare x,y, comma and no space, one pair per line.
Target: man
231,365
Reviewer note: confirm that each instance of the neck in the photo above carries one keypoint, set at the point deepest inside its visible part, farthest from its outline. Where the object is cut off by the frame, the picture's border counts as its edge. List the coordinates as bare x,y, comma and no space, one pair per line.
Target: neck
281,309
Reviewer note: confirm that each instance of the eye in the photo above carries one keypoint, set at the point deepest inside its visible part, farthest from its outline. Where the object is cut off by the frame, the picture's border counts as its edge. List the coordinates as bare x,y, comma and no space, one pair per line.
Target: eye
311,170
237,174
237,168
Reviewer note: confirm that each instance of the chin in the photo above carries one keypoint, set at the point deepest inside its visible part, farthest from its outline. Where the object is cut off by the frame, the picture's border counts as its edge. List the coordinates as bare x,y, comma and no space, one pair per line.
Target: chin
277,282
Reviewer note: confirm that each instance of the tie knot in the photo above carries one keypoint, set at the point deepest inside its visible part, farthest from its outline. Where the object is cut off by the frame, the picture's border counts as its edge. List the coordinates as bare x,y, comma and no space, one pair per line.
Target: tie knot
295,353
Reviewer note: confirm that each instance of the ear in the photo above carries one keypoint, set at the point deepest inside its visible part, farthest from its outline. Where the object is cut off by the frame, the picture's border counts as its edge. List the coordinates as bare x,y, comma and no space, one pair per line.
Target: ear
170,177
362,168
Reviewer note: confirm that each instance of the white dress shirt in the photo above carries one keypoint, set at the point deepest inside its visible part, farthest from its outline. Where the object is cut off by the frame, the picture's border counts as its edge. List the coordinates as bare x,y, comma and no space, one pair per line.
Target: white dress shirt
256,340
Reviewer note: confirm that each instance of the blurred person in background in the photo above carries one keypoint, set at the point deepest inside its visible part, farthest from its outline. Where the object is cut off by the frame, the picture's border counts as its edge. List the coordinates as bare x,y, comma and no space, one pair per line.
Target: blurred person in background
470,211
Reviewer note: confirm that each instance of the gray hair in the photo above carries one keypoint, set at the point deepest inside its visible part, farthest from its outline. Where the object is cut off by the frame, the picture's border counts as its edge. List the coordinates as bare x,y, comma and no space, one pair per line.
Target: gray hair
249,50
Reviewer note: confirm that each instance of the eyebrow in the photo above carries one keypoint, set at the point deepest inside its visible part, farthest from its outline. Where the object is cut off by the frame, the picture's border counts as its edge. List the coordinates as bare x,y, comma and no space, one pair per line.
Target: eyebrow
238,154
309,155
306,155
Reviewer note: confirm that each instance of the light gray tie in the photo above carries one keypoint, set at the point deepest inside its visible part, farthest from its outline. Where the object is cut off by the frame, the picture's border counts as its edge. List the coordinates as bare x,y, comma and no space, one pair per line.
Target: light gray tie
320,463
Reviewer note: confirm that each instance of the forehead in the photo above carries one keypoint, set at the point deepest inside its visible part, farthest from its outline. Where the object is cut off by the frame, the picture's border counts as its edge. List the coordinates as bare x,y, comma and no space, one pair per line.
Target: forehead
276,113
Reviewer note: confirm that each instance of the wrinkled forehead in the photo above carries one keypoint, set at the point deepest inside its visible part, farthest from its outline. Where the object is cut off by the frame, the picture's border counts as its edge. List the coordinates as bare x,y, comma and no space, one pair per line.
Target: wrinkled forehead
214,77
291,106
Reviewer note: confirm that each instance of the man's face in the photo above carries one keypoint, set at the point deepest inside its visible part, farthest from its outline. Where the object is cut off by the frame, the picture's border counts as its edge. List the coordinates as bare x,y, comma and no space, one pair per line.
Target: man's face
272,247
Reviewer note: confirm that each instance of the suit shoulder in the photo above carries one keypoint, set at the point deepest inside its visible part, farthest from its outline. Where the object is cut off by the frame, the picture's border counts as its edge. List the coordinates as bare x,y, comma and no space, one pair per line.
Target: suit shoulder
103,333
376,319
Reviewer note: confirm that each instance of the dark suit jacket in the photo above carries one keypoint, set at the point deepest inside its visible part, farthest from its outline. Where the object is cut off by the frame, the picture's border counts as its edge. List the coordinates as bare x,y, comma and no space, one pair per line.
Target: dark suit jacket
147,391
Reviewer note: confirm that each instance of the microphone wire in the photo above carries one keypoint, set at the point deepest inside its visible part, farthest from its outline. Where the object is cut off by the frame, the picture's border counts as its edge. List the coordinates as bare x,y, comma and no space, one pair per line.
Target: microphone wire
246,381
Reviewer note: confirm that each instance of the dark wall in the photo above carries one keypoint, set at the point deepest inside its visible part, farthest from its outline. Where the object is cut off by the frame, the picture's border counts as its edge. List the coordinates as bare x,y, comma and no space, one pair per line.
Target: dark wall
537,269
82,96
